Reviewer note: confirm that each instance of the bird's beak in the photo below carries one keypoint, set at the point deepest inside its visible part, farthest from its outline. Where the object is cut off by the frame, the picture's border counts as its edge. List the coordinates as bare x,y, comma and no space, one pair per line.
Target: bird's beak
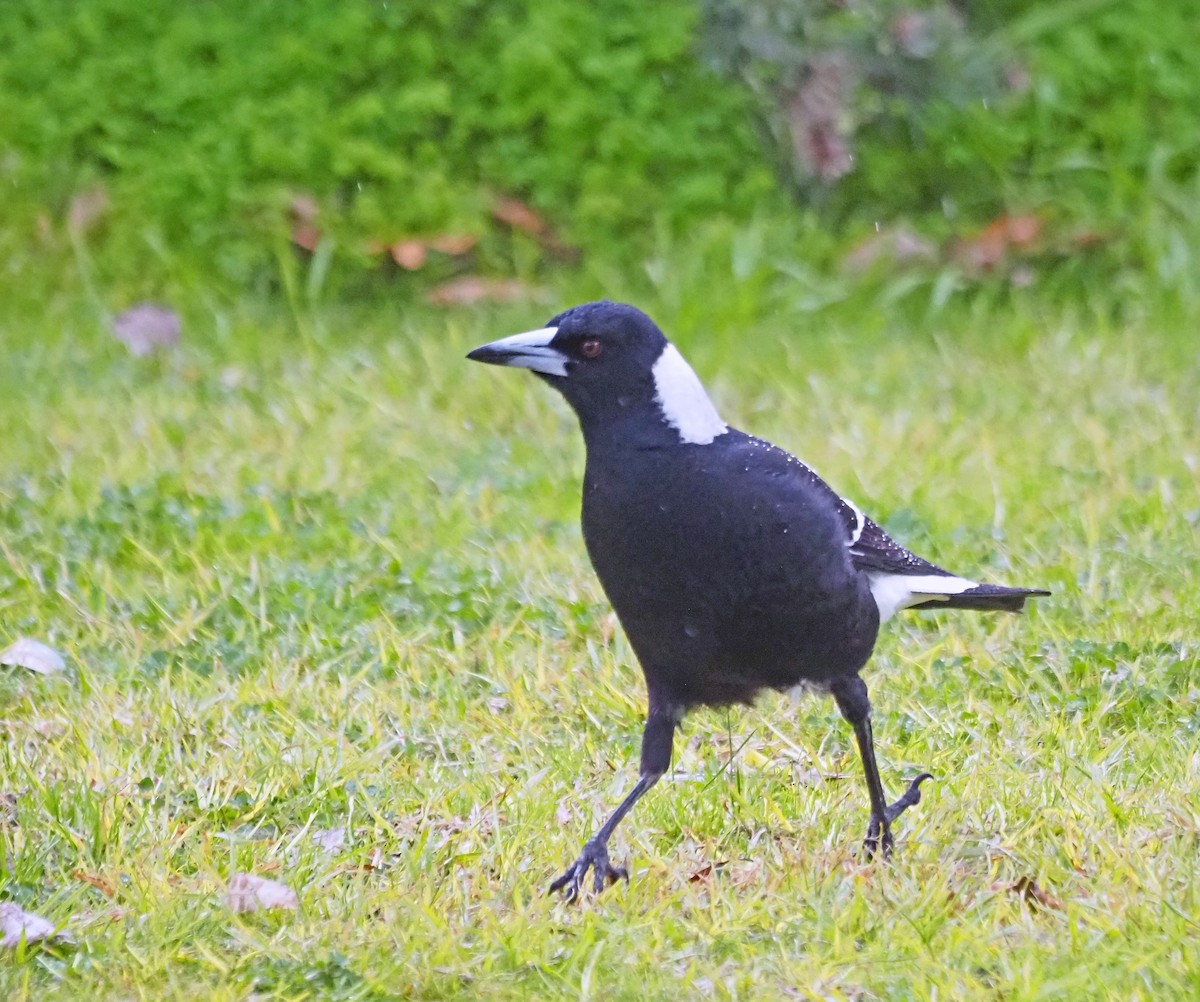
531,350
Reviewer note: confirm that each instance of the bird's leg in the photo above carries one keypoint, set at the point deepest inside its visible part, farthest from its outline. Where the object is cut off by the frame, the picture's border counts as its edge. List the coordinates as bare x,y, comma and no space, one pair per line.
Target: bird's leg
850,692
656,759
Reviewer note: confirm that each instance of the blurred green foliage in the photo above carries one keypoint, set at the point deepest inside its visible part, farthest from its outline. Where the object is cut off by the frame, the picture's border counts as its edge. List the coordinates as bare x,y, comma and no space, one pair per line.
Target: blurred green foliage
1089,103
203,120
827,74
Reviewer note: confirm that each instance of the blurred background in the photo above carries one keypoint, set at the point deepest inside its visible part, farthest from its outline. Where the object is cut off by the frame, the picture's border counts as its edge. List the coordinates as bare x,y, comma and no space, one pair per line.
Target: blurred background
448,153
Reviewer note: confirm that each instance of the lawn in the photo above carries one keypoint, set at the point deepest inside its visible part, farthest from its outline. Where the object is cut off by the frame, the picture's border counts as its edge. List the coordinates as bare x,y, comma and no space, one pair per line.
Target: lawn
314,571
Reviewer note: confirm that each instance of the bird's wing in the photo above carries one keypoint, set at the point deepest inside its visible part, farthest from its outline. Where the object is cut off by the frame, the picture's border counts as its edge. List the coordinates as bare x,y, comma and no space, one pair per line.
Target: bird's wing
899,578
871,549
875,550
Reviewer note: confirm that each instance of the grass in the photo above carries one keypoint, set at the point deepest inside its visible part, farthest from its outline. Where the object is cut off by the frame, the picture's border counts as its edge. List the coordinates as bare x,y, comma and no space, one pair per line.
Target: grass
314,571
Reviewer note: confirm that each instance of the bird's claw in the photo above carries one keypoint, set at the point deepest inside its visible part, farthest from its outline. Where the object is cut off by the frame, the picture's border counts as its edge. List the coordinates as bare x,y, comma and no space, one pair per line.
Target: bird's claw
594,857
879,831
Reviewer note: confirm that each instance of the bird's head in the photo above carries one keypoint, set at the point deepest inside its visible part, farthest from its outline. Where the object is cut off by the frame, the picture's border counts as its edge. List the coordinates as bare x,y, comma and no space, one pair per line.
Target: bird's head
616,369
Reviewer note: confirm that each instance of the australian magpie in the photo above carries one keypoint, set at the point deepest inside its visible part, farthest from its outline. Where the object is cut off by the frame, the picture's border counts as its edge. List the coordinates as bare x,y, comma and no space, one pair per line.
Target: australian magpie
731,565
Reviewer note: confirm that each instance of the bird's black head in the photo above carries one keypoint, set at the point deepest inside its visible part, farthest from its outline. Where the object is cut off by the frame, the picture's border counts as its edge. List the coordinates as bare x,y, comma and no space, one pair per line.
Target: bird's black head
616,369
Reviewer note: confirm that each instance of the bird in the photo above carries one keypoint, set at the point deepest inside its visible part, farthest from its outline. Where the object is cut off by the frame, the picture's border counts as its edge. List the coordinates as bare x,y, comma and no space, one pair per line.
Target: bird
731,565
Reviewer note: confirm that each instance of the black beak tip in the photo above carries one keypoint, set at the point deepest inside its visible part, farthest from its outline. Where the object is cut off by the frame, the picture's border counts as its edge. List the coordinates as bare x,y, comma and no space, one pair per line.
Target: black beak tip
483,353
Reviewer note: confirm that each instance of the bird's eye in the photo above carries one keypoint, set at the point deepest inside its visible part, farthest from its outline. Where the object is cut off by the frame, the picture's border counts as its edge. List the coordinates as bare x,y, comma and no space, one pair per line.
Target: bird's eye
590,348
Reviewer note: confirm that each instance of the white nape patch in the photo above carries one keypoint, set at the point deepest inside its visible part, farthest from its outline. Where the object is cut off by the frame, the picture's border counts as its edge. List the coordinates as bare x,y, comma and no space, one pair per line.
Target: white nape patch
681,398
860,522
893,592
538,355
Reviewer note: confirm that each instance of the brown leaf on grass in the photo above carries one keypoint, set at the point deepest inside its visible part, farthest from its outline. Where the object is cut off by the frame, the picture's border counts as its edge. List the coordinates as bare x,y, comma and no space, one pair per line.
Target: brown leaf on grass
305,233
306,236
1033,893
146,328
412,252
893,245
409,254
16,924
1022,231
32,654
331,840
989,248
472,289
453,244
102,884
515,213
1087,239
707,871
374,861
87,209
304,207
518,215
248,893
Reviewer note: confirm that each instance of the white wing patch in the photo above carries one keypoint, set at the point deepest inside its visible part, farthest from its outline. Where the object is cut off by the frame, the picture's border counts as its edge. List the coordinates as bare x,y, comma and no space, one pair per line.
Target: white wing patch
860,522
893,592
681,398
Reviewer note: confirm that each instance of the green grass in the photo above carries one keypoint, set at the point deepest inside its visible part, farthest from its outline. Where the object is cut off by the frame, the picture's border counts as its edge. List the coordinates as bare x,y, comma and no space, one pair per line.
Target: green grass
316,571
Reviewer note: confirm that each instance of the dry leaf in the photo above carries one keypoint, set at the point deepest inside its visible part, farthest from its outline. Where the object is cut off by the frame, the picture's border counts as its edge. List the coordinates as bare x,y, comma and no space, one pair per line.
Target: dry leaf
705,872
146,327
1032,892
34,655
86,209
986,250
102,884
453,243
472,289
520,216
409,254
304,209
16,925
306,236
248,893
1087,239
1022,231
330,839
412,252
896,245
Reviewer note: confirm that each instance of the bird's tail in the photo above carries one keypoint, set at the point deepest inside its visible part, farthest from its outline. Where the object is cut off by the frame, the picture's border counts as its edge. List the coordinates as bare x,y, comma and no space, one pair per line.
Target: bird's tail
985,597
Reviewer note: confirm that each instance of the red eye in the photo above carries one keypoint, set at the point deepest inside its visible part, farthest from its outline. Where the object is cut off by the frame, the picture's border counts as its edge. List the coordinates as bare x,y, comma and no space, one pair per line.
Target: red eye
590,348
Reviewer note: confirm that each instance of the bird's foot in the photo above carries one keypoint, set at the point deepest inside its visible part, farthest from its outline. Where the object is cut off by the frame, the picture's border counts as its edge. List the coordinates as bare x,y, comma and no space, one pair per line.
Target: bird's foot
879,831
594,857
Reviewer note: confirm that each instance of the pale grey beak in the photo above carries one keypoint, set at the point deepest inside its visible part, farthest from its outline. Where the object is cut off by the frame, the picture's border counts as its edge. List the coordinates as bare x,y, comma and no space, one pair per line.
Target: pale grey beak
531,350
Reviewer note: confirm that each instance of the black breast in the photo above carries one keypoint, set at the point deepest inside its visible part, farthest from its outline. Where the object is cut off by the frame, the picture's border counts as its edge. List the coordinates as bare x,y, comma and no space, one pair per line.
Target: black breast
727,574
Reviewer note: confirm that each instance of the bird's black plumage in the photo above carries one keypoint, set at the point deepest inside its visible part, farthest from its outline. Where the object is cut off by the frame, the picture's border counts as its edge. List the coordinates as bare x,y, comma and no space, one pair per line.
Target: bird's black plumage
731,565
